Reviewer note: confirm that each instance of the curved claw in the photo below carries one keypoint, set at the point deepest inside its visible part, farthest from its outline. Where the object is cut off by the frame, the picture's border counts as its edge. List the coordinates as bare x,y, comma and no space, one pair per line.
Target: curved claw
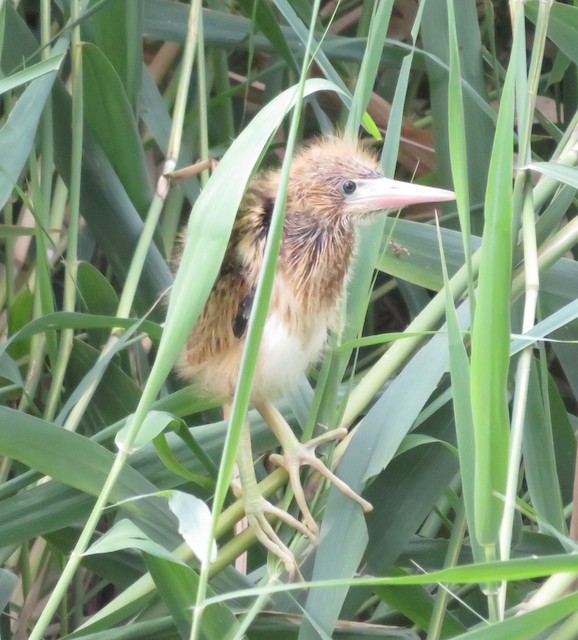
295,480
267,536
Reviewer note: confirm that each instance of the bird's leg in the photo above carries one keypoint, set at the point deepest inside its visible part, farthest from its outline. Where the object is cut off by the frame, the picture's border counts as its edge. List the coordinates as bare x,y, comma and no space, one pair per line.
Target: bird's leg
256,507
296,453
242,524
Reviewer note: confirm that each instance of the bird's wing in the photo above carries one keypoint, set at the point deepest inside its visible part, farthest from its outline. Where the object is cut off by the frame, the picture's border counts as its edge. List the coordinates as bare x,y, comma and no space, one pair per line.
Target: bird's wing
223,322
243,313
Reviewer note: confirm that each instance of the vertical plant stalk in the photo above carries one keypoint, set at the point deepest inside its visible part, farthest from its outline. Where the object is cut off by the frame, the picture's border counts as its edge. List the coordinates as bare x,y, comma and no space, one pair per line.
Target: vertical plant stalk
174,145
457,149
242,396
42,205
366,251
10,291
529,100
71,262
152,218
460,382
202,101
35,561
491,30
76,556
47,142
532,287
369,66
69,299
490,352
451,559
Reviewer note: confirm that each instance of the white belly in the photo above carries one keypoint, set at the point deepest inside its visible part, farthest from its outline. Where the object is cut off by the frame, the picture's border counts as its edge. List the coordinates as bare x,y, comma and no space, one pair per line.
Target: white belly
284,356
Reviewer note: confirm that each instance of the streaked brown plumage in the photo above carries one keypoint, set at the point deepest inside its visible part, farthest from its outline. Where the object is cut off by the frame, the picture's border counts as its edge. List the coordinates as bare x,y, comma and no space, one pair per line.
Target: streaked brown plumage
316,251
333,186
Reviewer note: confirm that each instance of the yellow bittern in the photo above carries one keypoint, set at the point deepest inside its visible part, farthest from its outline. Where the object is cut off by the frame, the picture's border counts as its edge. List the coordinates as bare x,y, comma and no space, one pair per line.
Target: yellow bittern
334,186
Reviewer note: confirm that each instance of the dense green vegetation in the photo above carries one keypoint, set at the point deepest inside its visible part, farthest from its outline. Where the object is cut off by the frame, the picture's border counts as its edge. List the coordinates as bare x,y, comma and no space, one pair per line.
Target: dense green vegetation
462,430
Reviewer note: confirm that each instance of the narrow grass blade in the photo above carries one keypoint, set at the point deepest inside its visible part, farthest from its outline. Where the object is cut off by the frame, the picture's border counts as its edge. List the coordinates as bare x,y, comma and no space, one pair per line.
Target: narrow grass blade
118,34
33,72
461,394
18,133
73,460
475,103
369,66
491,329
124,534
266,21
417,604
107,109
567,175
458,145
539,456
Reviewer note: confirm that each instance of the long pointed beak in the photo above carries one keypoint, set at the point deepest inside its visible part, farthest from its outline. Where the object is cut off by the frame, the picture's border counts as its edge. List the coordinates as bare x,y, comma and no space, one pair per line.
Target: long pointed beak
383,193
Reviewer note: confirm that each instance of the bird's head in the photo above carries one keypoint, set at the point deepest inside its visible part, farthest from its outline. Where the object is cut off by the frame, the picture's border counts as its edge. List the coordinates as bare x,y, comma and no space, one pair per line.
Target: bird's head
333,178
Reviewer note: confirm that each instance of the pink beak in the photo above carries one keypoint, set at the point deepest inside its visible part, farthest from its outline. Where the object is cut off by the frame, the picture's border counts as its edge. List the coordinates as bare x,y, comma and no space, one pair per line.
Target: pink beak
383,193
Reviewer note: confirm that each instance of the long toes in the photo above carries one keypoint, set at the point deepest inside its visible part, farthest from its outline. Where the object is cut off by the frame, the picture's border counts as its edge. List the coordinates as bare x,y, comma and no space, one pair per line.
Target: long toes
329,436
342,486
288,519
306,455
270,540
278,460
295,481
300,499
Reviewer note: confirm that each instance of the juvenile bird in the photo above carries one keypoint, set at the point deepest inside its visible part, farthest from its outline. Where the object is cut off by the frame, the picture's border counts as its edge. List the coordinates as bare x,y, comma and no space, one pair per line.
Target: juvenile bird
334,185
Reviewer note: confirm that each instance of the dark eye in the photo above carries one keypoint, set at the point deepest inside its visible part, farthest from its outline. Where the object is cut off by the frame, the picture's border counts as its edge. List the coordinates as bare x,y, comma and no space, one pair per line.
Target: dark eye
348,187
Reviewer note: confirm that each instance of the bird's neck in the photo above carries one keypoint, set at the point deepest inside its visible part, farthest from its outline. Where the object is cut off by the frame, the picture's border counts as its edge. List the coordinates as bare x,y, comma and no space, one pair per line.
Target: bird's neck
316,258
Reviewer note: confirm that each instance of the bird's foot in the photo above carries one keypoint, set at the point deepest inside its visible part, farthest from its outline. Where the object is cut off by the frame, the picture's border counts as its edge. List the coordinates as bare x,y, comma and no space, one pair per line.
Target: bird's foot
295,454
256,509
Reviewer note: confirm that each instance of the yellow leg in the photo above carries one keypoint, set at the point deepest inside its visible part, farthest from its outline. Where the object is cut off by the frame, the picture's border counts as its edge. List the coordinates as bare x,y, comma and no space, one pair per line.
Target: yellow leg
296,453
256,508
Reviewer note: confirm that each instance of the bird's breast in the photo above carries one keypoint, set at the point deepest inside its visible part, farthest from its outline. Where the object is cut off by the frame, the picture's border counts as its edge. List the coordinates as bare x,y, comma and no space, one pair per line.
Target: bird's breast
294,337
286,353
